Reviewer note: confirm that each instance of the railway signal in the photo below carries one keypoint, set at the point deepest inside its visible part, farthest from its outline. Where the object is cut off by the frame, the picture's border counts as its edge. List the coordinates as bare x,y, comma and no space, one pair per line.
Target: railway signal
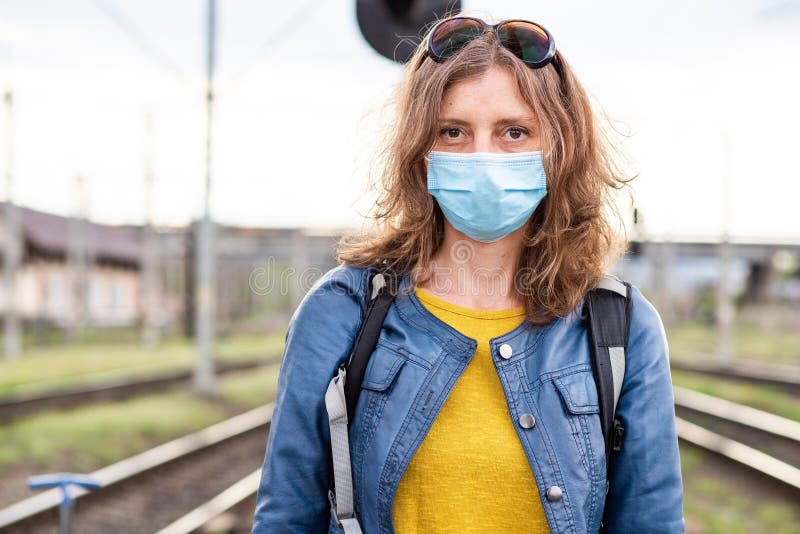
394,27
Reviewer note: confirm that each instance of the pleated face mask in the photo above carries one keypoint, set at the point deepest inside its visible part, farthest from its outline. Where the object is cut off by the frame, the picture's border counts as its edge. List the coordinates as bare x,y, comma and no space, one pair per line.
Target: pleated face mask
487,195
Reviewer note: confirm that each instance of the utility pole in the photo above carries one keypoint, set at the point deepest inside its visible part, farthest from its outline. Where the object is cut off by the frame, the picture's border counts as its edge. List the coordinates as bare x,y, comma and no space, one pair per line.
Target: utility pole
12,344
205,292
725,309
78,258
151,290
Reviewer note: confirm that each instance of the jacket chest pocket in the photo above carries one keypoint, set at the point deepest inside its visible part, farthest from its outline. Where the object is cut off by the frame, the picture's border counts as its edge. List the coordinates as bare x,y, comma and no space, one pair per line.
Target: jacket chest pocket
380,375
382,369
581,409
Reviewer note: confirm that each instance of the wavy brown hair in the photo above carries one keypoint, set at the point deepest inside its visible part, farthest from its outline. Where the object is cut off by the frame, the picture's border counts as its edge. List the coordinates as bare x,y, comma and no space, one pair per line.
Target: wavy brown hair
569,241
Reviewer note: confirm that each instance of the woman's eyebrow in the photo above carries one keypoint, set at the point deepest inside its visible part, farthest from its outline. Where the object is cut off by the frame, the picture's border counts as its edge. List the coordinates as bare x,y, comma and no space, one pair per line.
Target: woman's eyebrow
515,120
499,122
453,121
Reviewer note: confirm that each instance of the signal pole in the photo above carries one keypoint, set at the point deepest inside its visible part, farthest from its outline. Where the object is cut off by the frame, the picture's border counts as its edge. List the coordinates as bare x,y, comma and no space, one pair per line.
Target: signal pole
12,345
205,290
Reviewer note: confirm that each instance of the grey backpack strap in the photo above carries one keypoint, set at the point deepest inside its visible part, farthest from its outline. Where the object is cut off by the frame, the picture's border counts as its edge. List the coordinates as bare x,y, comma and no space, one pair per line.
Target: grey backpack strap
341,398
342,506
609,314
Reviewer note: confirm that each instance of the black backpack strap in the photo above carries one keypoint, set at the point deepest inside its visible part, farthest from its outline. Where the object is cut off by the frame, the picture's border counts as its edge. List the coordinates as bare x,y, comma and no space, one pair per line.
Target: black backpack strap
381,293
608,307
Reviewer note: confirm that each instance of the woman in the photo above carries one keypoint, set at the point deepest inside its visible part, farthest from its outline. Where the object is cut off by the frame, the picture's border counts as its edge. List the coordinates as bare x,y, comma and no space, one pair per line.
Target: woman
478,410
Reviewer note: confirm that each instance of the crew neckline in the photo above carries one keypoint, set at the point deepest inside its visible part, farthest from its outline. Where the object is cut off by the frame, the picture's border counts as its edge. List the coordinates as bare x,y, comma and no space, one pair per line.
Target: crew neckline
429,298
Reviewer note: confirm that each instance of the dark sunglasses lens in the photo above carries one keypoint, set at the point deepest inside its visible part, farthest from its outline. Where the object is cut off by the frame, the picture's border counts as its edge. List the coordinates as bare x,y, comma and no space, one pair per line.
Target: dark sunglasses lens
450,36
526,40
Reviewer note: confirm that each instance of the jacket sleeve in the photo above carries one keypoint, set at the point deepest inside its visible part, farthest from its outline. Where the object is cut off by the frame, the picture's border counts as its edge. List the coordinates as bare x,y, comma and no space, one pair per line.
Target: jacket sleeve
292,494
646,490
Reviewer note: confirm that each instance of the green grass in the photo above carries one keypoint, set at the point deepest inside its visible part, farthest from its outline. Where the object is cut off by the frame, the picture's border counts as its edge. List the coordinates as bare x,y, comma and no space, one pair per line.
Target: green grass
88,437
98,360
248,388
46,369
716,503
688,340
762,397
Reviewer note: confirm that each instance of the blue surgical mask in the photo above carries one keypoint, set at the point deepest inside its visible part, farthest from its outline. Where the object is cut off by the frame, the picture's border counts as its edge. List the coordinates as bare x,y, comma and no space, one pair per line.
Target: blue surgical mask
487,195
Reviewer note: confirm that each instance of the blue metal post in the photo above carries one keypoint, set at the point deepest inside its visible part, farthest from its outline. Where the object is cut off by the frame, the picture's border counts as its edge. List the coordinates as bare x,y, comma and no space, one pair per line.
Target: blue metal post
64,481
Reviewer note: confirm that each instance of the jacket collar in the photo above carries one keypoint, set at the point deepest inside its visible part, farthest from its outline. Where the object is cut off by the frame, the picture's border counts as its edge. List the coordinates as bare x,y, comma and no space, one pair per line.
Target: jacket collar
413,311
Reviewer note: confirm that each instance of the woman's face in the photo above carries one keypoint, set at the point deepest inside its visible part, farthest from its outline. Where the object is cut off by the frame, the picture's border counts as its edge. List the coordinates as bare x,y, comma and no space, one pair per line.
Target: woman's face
486,114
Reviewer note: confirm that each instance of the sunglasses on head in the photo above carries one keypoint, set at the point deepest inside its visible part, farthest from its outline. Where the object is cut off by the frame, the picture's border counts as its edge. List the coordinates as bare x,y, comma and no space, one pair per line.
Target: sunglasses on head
527,40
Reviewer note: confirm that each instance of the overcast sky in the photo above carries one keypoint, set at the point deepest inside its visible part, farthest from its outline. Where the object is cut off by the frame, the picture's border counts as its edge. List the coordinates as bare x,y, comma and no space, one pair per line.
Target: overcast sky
707,92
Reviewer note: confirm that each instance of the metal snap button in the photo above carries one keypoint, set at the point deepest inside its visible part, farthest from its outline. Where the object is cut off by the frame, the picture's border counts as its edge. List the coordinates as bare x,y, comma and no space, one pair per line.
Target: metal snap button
527,420
554,493
506,351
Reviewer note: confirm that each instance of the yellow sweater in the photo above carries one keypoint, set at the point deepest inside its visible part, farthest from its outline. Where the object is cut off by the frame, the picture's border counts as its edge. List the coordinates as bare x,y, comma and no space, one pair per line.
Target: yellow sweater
470,473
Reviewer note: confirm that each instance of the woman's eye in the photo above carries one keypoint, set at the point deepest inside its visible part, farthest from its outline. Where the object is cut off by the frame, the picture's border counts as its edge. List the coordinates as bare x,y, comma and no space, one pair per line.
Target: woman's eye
515,133
451,133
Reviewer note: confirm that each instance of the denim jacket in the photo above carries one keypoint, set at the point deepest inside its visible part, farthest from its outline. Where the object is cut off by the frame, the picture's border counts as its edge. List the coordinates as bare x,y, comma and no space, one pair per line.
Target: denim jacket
418,358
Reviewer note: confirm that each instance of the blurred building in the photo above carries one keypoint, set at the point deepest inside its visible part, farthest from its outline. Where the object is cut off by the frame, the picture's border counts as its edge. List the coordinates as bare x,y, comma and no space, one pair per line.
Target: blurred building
76,271
48,288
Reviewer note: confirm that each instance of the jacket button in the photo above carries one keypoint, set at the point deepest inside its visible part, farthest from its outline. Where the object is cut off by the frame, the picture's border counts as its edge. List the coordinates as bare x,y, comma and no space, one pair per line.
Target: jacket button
505,351
527,420
554,493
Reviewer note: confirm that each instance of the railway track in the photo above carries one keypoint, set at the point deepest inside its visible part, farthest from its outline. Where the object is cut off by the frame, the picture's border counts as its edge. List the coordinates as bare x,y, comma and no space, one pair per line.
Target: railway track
759,441
26,405
149,491
219,509
784,377
774,431
763,427
210,472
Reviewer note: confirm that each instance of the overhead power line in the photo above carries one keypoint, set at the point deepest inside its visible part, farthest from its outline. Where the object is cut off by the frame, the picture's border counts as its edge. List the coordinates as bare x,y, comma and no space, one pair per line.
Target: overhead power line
135,33
294,22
